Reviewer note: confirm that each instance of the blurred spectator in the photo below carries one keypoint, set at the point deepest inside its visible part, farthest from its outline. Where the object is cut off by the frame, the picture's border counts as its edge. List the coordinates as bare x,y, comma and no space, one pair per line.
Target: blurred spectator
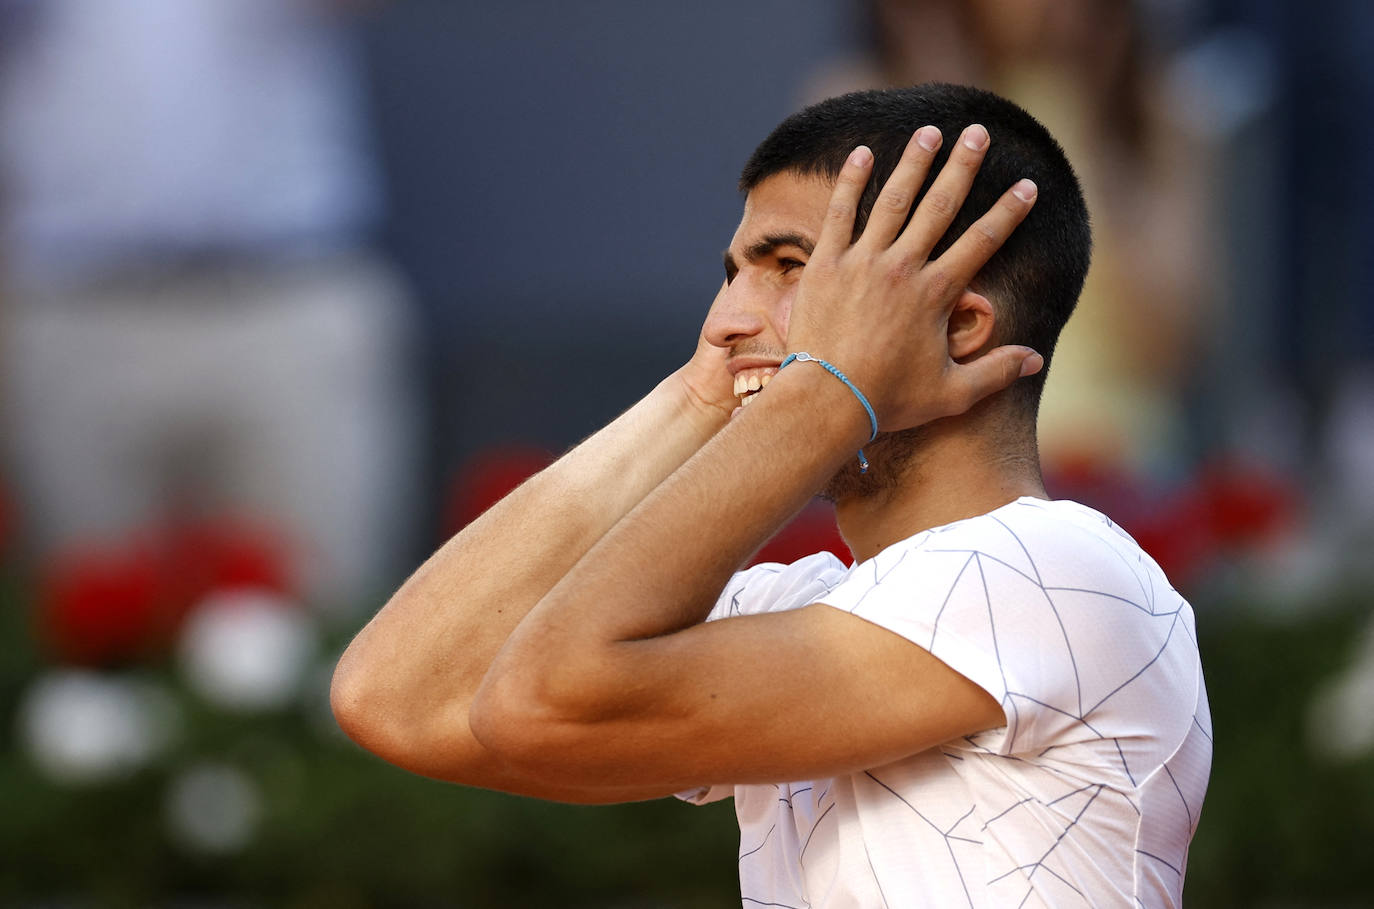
195,329
488,476
1082,67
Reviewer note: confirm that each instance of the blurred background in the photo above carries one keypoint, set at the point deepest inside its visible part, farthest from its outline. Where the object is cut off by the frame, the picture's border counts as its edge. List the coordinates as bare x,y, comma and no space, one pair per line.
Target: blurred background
290,290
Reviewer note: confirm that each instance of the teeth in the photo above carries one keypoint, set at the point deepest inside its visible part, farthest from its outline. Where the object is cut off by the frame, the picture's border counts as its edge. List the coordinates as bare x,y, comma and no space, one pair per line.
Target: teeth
751,381
747,400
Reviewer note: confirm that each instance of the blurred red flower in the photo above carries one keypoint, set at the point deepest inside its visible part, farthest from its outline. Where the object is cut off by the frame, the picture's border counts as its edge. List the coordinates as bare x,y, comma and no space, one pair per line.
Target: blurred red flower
102,604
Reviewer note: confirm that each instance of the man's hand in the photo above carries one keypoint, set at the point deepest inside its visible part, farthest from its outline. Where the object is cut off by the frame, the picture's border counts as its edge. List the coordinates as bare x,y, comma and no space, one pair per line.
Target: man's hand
879,308
706,378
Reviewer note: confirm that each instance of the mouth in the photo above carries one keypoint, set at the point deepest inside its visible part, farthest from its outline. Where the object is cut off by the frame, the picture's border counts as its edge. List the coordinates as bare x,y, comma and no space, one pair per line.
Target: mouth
749,382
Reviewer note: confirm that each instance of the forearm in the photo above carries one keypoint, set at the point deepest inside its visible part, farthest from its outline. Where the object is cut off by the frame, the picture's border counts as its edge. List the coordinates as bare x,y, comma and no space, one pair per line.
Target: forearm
593,652
404,685
660,569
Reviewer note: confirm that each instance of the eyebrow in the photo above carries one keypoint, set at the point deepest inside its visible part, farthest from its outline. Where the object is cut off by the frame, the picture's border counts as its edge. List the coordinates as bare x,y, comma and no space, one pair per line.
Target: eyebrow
765,247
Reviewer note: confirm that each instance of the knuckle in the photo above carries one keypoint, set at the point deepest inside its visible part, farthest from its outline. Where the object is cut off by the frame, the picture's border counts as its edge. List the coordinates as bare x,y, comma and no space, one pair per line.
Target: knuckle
895,201
987,237
938,280
852,176
839,217
968,158
942,203
822,266
899,270
1012,212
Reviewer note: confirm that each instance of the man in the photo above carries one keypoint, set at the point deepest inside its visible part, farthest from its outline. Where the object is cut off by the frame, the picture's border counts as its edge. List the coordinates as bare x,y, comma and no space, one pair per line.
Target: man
1000,703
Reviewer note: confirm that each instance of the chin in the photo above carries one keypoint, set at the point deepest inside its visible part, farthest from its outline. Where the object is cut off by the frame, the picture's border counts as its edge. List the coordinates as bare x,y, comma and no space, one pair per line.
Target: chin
888,458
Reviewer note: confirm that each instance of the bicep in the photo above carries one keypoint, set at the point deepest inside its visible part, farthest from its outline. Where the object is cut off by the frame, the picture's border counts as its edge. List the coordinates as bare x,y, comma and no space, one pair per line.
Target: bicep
800,694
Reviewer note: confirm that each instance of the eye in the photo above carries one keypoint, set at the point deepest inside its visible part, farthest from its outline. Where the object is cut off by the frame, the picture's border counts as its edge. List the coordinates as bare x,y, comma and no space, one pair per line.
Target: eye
788,264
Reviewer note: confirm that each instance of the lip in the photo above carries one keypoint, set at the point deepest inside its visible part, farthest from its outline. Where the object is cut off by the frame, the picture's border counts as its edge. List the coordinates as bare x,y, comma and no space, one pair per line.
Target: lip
737,366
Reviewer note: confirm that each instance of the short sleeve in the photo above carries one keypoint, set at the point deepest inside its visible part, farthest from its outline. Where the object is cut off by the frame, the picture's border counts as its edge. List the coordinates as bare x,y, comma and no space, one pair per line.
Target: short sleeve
769,587
705,795
1041,614
774,587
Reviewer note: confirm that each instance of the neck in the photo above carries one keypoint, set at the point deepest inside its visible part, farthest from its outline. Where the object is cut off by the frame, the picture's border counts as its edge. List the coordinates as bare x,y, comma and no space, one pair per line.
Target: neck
952,473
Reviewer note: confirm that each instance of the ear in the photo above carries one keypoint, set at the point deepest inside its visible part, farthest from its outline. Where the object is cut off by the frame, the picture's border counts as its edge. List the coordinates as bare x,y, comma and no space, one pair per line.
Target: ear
970,325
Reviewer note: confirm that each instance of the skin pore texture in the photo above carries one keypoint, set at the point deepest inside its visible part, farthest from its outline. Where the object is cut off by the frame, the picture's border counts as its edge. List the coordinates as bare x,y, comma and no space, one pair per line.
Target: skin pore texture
557,647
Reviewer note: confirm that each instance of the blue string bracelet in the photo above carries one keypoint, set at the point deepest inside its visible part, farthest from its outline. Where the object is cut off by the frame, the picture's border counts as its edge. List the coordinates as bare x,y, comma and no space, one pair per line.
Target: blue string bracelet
828,367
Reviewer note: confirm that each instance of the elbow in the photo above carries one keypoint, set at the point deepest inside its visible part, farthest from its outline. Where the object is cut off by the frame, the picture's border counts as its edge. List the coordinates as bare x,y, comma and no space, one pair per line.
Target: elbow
504,722
520,720
366,713
352,702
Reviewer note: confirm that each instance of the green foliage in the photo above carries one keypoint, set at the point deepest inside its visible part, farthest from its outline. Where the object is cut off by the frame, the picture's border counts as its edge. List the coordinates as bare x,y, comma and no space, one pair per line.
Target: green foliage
342,829
339,827
1281,827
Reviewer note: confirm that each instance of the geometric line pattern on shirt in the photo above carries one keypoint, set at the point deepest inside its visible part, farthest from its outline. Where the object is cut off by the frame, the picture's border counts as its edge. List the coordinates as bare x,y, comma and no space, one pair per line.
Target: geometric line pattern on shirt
762,843
801,853
734,600
1040,862
1081,715
945,835
1178,872
877,879
1009,576
1187,809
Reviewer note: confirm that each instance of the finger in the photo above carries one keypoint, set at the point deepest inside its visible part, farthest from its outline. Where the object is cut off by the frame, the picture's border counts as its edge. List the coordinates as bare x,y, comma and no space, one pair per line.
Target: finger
985,236
838,228
989,374
893,204
946,195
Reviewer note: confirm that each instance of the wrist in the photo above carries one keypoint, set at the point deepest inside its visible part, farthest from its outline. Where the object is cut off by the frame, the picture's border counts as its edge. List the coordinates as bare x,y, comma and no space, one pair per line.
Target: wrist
704,413
839,376
832,410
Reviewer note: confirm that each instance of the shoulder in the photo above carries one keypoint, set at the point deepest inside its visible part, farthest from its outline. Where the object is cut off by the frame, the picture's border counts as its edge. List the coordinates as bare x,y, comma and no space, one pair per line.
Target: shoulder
1019,567
774,587
1046,544
1049,606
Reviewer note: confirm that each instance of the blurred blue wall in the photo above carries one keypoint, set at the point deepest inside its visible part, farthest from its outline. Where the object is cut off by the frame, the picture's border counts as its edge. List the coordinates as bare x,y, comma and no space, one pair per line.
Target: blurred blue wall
562,184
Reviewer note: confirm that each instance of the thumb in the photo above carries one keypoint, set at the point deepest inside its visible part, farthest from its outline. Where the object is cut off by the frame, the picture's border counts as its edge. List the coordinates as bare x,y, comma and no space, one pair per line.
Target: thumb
996,370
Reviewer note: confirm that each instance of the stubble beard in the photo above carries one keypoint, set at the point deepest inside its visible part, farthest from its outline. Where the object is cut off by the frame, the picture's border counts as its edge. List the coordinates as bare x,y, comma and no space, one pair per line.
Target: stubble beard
889,457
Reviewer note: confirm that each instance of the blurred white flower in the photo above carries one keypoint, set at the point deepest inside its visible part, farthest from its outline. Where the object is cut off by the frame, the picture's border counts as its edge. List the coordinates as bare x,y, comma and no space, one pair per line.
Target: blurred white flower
213,808
247,649
1340,716
80,726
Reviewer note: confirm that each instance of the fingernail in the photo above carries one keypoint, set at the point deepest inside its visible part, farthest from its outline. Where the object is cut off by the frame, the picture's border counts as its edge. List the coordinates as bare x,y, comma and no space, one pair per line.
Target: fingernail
975,137
1024,190
860,156
1031,365
928,137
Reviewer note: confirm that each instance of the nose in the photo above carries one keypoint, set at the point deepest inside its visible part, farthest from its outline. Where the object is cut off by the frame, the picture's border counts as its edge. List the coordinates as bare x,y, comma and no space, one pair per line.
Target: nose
736,314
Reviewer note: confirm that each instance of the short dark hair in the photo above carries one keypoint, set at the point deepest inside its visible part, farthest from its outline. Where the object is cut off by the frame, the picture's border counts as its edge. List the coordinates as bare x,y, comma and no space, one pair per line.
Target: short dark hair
1035,278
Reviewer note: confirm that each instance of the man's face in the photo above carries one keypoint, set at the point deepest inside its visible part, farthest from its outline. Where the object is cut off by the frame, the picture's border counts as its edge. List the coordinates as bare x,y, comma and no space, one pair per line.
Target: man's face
763,268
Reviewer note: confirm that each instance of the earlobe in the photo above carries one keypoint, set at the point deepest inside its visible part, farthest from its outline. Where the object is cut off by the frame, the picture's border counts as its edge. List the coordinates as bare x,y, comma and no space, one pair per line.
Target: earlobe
971,325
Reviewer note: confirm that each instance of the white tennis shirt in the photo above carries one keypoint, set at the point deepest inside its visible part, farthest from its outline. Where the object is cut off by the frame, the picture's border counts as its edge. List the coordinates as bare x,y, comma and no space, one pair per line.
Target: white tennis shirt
1088,796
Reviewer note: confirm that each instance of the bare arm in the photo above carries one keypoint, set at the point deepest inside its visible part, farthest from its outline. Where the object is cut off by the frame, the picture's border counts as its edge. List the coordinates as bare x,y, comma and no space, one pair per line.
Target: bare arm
404,685
613,677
